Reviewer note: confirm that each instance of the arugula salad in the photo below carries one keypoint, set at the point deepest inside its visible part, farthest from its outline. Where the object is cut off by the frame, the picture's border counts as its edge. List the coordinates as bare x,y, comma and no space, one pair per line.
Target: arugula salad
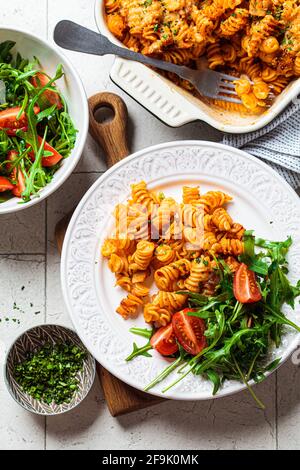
36,131
229,336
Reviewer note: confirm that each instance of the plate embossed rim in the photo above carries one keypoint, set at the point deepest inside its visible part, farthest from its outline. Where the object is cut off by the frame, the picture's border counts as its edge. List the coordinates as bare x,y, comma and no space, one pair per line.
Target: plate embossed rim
81,248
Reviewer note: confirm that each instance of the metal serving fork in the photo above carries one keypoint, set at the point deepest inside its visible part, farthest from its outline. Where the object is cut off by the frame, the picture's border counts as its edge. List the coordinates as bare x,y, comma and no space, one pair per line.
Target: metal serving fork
209,83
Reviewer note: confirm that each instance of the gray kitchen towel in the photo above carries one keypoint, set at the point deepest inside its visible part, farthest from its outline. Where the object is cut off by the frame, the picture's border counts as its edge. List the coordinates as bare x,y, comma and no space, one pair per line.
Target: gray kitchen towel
278,143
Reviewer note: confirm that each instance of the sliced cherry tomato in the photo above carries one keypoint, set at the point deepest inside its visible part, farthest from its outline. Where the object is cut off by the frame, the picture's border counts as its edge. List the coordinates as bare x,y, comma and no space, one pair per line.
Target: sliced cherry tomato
13,132
245,287
17,176
41,80
52,159
5,184
189,331
164,340
9,121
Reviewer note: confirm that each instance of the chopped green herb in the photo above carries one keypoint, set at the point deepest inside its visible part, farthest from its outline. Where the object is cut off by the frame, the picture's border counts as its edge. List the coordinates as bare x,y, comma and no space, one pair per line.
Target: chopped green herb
278,13
15,307
49,374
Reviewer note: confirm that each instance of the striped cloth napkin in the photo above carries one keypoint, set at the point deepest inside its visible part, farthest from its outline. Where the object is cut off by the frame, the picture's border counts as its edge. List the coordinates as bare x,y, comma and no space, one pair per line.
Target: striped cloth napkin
278,143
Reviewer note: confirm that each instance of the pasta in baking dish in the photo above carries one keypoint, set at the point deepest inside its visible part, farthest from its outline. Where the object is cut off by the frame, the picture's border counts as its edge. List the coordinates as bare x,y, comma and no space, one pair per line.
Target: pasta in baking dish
177,244
256,40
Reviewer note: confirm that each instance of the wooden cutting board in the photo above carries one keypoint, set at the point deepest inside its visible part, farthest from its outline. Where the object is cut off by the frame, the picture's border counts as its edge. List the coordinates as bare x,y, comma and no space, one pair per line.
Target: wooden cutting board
112,136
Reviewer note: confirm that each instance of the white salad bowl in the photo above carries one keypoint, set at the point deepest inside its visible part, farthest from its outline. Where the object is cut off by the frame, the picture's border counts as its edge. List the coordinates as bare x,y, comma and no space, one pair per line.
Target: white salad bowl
72,89
174,105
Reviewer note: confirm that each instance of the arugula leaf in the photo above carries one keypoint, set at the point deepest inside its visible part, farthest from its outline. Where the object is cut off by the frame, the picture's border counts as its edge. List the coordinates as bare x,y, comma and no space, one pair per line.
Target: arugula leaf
214,377
142,332
4,143
46,113
142,351
272,365
260,403
167,371
276,250
5,51
248,256
259,266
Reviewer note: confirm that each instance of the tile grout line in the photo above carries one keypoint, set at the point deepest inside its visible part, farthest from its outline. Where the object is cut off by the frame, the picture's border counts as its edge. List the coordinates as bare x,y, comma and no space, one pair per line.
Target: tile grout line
46,239
23,254
91,172
45,296
276,410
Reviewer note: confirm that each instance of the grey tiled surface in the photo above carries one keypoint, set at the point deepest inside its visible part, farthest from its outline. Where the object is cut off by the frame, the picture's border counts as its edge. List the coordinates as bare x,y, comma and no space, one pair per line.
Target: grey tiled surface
28,257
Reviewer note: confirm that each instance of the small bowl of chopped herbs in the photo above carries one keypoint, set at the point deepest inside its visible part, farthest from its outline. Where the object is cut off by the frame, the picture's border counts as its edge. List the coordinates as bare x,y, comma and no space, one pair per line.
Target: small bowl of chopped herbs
48,370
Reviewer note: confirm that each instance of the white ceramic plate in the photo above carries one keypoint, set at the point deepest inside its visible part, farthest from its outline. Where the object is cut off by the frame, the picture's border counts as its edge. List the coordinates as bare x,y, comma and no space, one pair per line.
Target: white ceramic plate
262,201
174,105
71,87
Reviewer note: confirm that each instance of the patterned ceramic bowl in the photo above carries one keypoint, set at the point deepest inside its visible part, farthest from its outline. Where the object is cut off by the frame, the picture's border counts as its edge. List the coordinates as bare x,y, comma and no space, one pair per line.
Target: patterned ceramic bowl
33,339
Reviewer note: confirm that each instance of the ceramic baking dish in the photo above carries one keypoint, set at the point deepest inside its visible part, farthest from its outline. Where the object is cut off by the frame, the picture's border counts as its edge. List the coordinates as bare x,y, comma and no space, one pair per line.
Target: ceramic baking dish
175,106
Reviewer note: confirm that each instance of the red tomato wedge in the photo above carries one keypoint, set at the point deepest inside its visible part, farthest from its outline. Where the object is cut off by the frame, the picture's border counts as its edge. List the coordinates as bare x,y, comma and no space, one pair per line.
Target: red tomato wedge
245,287
9,122
164,340
41,80
52,159
5,184
17,175
189,331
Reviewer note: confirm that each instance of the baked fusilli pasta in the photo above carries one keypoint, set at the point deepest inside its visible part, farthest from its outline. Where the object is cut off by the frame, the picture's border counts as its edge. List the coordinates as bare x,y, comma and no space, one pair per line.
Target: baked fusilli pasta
256,40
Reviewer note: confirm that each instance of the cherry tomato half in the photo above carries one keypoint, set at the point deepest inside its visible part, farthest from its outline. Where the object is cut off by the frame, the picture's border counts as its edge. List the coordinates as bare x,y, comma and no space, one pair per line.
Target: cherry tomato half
9,121
17,175
52,159
245,287
41,80
5,184
189,331
164,340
